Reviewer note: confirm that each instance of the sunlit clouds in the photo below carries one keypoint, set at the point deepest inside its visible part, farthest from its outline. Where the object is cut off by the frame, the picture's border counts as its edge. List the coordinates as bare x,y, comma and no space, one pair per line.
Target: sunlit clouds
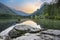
29,7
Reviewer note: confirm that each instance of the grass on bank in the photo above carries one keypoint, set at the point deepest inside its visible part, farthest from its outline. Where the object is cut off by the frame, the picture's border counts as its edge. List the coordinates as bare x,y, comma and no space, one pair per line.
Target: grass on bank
49,24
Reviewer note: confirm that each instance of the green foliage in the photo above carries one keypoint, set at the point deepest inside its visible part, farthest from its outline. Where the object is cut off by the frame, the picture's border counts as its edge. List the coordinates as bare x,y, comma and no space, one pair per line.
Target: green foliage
58,3
50,24
52,12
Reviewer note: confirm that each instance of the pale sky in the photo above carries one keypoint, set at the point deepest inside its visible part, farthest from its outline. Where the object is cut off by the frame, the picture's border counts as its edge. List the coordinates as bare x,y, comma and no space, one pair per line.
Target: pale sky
28,6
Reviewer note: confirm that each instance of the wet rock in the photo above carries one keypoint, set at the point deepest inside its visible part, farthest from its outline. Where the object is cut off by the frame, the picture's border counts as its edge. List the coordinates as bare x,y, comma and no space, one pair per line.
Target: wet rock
29,36
1,39
13,33
47,37
5,37
44,35
52,32
27,28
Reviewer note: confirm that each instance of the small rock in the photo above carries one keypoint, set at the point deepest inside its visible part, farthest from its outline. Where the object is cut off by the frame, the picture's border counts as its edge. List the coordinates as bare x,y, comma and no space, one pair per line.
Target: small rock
51,32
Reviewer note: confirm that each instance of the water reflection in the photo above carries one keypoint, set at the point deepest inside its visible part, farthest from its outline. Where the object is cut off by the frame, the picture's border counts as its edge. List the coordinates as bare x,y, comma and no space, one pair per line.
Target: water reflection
31,23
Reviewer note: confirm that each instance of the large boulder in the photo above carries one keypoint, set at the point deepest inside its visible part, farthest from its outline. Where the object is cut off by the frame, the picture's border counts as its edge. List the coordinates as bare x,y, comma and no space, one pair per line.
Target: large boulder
27,28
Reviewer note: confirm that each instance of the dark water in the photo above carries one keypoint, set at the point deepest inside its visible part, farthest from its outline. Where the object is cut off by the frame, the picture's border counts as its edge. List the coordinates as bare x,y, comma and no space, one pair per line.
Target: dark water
3,26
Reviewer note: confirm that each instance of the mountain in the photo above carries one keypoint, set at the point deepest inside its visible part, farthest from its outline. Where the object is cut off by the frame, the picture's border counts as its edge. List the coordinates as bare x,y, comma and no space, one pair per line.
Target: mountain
39,11
6,10
20,13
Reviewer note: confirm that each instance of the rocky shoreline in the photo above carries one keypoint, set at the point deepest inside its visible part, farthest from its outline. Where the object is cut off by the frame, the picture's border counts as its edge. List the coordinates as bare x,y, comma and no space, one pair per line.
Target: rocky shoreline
26,32
43,35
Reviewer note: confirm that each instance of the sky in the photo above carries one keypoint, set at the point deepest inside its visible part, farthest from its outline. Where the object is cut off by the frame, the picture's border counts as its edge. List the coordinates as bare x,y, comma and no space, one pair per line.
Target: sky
28,6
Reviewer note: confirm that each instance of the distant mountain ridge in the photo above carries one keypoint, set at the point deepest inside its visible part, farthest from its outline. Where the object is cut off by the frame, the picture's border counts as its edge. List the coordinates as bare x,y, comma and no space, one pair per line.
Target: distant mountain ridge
6,10
20,13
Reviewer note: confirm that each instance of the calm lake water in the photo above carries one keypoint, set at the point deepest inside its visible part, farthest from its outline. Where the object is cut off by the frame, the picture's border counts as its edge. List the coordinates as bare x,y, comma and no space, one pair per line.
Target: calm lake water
3,26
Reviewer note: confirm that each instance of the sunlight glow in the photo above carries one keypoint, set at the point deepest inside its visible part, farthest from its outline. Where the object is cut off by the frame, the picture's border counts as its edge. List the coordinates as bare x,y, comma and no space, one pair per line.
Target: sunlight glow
29,8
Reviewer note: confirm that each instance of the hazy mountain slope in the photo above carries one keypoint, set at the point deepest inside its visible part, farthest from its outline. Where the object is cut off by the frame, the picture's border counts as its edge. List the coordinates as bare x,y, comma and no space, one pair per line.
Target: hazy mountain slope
20,13
5,10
